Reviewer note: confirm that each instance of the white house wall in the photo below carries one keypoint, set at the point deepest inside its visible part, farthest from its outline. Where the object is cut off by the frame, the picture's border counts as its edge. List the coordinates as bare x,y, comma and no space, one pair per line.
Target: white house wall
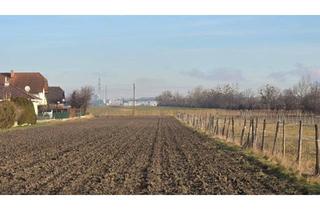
35,104
42,97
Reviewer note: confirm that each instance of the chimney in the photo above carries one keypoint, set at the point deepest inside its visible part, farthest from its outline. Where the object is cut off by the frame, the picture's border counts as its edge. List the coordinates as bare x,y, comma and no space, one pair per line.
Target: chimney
6,81
12,73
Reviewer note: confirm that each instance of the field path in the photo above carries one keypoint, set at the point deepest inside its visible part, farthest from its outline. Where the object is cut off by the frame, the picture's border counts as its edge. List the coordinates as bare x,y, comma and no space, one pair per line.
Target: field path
127,155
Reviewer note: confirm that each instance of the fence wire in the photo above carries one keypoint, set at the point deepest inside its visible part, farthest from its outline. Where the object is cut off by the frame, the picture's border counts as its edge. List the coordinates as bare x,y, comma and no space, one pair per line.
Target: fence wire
294,142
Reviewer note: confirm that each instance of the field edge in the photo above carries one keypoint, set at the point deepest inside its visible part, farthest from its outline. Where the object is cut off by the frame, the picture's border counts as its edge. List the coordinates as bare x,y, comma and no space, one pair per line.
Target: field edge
307,186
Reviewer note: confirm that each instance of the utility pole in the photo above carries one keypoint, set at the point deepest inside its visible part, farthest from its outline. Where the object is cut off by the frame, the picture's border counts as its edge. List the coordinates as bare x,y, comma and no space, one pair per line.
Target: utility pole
134,98
134,94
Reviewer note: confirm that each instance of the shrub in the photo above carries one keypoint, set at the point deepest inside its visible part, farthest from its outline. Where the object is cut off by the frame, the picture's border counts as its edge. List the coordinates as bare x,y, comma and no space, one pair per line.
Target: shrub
25,111
7,114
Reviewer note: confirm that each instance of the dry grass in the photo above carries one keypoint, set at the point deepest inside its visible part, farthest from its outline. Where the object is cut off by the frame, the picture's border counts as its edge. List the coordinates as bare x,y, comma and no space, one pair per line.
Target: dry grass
289,161
156,111
291,141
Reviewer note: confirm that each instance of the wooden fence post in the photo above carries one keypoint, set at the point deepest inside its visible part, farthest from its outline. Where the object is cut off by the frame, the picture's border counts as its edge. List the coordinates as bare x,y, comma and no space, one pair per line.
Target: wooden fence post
242,131
317,169
227,135
207,123
197,122
275,138
233,136
212,125
283,140
299,144
256,132
217,126
252,133
263,132
248,136
224,126
192,120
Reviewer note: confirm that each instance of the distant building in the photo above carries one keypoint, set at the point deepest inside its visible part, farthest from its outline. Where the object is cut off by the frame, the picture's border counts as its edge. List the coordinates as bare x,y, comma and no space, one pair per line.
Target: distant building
55,96
115,102
7,92
30,85
32,82
141,102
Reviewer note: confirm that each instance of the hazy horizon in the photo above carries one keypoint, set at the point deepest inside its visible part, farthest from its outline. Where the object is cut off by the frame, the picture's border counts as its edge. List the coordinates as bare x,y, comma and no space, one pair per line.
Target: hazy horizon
159,53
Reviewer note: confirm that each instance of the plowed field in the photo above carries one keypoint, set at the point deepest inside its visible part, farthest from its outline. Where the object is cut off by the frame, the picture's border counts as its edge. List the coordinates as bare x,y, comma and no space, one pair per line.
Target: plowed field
126,155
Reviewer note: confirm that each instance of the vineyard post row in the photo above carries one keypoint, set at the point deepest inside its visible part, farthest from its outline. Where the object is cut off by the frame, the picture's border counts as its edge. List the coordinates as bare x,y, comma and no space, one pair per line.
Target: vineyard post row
249,134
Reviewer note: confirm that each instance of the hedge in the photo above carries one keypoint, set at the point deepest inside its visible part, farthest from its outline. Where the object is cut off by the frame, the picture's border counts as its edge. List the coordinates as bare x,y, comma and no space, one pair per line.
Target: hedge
7,114
25,111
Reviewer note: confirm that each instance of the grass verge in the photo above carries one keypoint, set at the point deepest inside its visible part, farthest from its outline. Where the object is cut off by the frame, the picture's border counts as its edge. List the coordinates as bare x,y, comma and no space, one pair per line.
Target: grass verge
307,185
46,123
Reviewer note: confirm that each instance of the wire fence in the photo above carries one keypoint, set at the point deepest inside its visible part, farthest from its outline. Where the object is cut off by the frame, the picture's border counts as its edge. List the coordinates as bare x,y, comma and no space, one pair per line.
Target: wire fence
292,140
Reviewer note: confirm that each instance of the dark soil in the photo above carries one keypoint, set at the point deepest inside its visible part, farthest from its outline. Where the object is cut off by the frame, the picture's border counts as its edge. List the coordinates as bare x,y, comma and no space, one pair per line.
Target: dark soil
126,155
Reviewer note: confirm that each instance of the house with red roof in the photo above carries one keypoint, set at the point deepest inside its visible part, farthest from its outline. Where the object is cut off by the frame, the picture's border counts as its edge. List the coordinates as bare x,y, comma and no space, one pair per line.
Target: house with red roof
30,85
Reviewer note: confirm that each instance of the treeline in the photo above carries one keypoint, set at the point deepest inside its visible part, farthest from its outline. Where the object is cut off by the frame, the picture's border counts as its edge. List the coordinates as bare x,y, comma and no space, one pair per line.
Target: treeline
305,96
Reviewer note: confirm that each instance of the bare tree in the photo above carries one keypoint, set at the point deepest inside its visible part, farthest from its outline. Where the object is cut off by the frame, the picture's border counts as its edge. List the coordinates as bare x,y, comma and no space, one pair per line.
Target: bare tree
165,99
248,100
311,101
290,100
269,95
80,98
303,87
86,94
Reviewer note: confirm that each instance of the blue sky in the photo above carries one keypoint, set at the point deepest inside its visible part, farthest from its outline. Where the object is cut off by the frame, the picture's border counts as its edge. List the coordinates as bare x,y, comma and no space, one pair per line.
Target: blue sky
162,52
